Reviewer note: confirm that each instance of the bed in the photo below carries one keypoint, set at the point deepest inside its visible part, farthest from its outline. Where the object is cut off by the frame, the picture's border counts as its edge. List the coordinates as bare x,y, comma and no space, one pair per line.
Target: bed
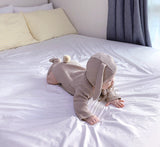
36,114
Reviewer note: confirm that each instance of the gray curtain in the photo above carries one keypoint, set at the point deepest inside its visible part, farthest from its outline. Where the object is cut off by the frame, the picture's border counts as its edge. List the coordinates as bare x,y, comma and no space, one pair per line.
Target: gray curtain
128,21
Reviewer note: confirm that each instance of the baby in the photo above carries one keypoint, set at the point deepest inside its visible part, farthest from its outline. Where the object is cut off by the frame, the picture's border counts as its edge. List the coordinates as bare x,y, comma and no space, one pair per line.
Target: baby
95,81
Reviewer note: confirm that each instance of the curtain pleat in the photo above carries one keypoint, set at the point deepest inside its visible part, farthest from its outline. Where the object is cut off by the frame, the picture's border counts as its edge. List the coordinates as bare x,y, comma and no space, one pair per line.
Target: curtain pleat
128,21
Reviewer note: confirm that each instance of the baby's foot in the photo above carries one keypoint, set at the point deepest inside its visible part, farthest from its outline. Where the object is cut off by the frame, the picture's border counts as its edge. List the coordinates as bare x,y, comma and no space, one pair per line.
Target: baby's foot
92,120
117,103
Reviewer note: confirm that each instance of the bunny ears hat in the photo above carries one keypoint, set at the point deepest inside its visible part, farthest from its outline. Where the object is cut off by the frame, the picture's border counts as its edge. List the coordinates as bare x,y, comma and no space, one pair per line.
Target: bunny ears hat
100,68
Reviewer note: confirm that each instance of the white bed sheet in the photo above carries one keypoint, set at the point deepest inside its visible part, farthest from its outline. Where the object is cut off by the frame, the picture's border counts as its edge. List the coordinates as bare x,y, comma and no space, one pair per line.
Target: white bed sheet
35,114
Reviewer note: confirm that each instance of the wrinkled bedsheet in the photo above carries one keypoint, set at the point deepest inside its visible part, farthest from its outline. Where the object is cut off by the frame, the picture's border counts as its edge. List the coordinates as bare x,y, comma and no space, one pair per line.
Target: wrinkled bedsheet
36,114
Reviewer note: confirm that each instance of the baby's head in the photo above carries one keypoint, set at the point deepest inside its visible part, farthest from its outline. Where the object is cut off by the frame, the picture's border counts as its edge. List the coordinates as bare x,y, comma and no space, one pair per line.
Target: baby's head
100,69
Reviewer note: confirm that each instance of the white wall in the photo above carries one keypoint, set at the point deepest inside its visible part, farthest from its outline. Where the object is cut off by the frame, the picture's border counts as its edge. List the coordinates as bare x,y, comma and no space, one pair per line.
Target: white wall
88,16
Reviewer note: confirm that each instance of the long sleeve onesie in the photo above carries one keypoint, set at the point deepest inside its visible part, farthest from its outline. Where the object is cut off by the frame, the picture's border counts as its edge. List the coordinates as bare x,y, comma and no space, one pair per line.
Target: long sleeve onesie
72,77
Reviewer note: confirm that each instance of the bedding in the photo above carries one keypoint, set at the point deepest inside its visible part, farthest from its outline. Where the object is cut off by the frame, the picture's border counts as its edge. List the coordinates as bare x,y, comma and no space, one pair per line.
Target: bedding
36,114
34,8
21,29
14,31
7,9
23,3
49,24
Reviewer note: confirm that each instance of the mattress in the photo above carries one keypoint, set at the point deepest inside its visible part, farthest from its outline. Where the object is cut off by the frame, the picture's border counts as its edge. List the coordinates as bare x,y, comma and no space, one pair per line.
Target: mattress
36,114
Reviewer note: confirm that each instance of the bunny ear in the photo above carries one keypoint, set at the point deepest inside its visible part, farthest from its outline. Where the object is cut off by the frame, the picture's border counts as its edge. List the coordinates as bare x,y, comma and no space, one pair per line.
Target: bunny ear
99,81
54,60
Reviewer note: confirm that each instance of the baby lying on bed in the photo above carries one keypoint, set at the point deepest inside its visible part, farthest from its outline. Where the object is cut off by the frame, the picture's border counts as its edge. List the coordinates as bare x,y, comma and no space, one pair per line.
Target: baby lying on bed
95,81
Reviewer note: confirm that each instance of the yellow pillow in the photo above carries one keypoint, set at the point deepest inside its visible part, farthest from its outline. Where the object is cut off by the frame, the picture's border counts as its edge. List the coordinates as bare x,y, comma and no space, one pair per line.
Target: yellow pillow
14,31
48,24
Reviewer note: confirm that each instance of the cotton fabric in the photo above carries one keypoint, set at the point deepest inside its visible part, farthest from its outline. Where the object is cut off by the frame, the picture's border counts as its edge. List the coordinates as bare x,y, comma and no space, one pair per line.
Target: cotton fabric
85,83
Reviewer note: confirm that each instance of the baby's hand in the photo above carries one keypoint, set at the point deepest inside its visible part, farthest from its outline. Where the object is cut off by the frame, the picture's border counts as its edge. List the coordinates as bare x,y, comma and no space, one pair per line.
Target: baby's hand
92,120
117,103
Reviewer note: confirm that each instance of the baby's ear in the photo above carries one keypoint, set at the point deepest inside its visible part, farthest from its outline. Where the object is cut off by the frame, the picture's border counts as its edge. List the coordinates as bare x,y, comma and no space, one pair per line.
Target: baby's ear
104,92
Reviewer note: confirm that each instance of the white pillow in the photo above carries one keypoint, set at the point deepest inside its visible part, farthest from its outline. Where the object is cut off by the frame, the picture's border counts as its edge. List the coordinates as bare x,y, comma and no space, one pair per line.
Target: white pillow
35,8
8,9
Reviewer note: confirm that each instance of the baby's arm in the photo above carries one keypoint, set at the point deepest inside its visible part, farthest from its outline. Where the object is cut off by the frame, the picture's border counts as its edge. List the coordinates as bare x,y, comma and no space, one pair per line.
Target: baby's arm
81,109
113,98
117,103
110,96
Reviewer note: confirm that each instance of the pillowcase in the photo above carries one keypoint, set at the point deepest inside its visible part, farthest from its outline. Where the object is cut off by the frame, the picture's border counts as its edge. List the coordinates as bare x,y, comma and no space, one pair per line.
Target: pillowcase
8,9
48,24
14,31
35,8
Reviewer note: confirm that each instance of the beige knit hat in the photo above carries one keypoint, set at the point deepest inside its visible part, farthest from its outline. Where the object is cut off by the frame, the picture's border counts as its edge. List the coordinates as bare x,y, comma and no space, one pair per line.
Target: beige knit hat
100,68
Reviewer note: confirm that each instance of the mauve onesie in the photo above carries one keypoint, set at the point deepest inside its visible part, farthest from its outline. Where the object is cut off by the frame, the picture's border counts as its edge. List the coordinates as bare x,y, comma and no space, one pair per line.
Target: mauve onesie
81,83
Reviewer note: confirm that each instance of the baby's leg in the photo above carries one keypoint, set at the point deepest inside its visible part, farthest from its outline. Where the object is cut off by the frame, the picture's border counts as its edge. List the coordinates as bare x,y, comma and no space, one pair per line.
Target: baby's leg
92,120
51,79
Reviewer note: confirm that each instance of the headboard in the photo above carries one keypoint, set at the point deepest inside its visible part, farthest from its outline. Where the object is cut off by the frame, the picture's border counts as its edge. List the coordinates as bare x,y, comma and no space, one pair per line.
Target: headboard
22,2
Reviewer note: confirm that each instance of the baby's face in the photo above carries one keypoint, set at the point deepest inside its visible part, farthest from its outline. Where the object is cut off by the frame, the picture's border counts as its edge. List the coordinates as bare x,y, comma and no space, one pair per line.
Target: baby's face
108,83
